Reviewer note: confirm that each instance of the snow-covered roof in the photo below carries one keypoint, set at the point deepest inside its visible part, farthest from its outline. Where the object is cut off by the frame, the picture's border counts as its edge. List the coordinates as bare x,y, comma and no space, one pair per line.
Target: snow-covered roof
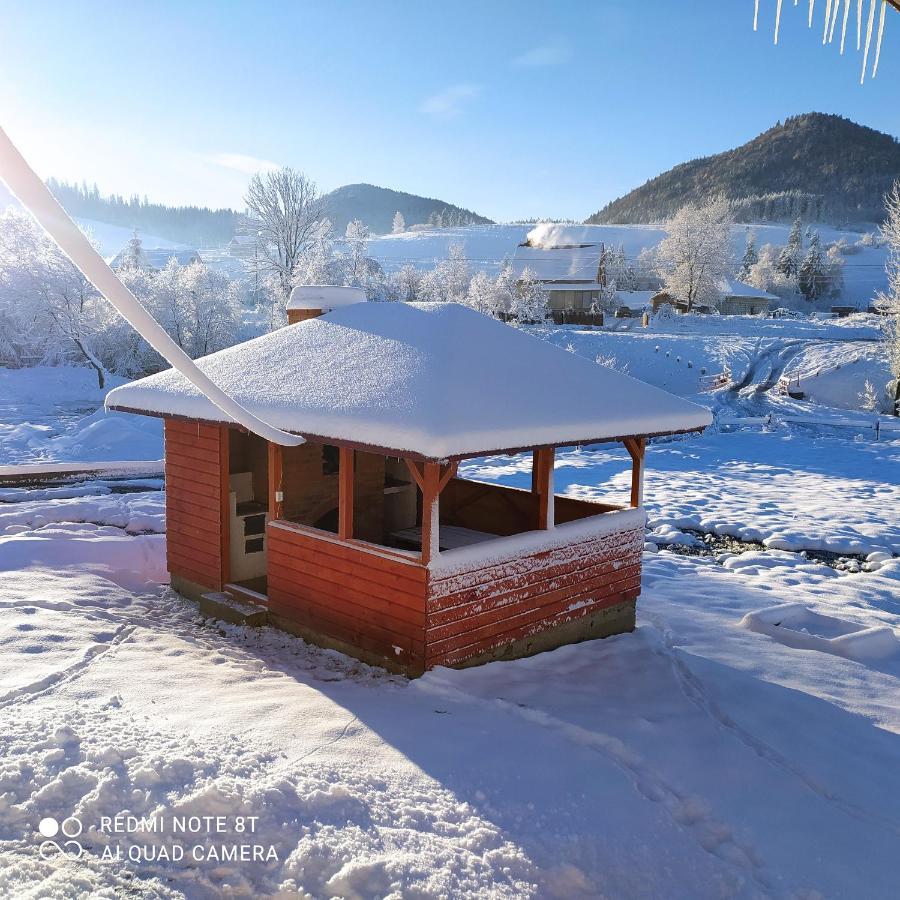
565,264
636,300
324,296
731,287
437,380
573,286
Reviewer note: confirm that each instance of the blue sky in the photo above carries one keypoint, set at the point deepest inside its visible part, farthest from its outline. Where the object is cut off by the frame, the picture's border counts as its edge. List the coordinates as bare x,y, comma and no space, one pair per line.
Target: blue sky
509,108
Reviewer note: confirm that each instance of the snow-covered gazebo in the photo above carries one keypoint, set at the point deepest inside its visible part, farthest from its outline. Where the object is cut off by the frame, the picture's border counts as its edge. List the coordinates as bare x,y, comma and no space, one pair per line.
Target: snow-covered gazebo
365,538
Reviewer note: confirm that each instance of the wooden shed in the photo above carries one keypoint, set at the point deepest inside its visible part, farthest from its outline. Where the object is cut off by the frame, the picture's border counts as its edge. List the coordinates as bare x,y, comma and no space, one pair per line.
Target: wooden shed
366,537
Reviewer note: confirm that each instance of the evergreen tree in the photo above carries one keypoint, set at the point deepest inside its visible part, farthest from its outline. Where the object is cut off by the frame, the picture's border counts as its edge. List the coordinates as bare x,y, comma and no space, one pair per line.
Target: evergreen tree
812,278
789,258
399,223
750,259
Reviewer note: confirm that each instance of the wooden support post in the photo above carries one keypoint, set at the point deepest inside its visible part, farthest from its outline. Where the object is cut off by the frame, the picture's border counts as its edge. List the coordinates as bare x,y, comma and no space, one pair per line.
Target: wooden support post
346,468
224,504
431,489
276,492
542,485
636,448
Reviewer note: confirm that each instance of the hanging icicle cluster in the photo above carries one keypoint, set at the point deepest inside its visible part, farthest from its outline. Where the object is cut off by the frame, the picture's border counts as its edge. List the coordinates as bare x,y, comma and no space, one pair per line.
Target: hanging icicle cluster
832,11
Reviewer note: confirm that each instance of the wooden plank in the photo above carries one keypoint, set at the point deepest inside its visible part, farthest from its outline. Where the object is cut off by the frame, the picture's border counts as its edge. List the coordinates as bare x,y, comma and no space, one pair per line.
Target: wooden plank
636,448
224,510
301,570
346,473
342,572
459,648
447,596
447,473
276,481
194,475
431,478
368,605
325,542
542,482
626,543
509,595
334,619
496,614
195,502
415,472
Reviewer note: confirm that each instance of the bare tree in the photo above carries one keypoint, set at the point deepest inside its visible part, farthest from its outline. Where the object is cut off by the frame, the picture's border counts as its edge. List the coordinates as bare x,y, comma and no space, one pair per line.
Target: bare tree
890,230
286,212
695,255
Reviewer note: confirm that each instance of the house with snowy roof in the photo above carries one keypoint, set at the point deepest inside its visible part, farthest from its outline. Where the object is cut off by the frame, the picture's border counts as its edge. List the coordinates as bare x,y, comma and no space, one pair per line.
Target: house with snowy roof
367,537
741,299
571,273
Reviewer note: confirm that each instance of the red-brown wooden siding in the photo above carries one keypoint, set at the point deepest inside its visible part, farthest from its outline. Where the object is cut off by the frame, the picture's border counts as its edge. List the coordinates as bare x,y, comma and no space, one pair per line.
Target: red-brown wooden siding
196,466
371,600
470,613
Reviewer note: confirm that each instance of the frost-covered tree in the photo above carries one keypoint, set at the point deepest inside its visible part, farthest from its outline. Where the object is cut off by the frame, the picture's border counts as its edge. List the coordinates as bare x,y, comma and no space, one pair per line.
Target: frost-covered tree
399,223
695,255
356,238
765,275
133,254
812,276
890,299
449,279
56,312
792,254
482,294
750,257
531,296
285,210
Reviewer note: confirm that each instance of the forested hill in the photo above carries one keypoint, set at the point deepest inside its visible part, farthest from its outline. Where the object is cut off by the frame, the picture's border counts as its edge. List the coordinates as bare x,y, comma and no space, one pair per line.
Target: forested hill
817,166
376,207
196,226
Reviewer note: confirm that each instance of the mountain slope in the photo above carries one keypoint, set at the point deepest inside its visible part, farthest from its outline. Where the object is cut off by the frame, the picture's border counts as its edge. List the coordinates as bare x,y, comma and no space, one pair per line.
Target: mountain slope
376,207
817,166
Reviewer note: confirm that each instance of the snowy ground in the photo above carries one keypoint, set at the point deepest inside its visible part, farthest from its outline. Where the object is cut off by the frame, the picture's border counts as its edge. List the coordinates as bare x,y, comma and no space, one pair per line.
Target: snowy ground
693,758
705,755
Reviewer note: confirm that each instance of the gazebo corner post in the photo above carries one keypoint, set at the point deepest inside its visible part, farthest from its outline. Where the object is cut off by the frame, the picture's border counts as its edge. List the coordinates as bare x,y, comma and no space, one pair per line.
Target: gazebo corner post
431,513
636,448
276,488
542,485
346,472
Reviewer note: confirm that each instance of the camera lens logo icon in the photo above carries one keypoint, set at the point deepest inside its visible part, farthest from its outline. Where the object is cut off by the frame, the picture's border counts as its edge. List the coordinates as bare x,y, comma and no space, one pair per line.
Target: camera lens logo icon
49,828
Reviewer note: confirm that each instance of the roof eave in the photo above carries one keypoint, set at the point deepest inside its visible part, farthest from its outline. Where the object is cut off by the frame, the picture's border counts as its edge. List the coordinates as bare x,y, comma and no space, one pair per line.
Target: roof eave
414,454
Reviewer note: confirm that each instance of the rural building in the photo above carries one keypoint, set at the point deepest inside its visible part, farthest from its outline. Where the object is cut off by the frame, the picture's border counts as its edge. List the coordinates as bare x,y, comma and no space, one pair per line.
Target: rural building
155,258
309,301
573,276
368,537
740,299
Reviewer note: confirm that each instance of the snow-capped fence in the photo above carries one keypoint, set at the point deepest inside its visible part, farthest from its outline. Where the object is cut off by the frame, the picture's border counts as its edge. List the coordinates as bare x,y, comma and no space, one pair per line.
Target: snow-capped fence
56,473
792,382
877,425
715,381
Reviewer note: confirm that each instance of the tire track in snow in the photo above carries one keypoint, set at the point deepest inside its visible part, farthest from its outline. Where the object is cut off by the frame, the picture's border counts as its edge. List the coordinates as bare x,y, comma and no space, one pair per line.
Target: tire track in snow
44,685
693,689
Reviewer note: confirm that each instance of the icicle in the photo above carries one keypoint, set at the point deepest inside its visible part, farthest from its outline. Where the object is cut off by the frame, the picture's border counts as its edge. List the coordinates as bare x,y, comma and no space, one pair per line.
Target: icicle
777,20
844,24
755,15
880,36
859,6
834,15
812,4
828,5
862,77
